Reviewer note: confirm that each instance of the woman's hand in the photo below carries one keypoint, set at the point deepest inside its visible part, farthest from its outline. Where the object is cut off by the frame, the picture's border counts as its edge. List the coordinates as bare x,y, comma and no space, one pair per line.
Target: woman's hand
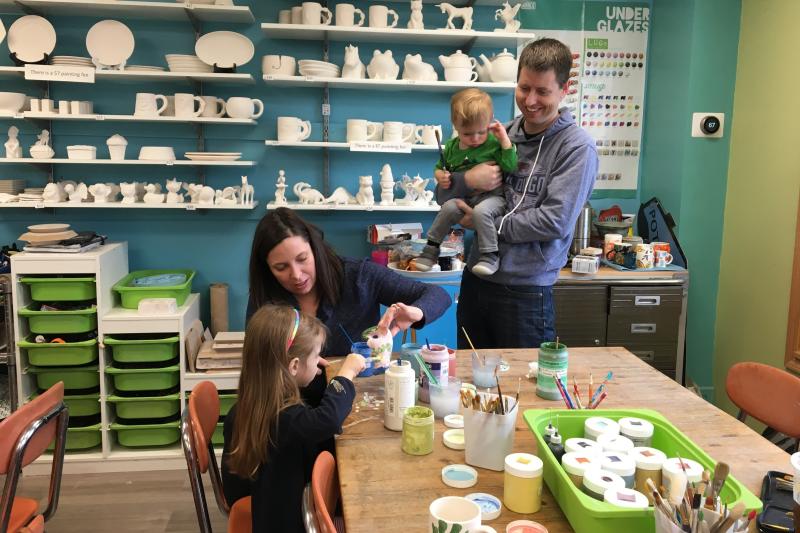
466,221
399,317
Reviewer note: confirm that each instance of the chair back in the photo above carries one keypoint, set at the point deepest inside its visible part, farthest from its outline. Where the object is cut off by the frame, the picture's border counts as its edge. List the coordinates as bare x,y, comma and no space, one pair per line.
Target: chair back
325,488
768,394
204,415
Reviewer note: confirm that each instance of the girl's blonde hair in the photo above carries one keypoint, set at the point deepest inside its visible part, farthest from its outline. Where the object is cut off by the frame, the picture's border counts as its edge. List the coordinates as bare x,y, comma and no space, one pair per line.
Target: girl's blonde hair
471,106
266,386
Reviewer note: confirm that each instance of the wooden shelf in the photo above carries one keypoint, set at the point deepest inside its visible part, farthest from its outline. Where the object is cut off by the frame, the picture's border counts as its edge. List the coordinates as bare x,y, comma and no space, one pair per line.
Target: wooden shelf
132,10
178,163
352,207
410,85
139,76
361,34
119,205
340,146
129,118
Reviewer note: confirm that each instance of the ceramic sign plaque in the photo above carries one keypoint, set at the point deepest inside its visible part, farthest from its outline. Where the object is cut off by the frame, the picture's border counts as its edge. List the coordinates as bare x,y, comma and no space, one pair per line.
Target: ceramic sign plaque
59,73
377,146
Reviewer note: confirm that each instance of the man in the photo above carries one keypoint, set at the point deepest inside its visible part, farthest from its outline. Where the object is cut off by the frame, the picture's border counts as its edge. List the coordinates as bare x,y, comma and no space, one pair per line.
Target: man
513,308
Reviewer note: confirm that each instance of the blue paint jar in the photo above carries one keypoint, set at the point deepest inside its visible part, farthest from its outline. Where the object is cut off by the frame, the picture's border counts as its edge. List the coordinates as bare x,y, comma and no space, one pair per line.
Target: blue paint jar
362,349
407,352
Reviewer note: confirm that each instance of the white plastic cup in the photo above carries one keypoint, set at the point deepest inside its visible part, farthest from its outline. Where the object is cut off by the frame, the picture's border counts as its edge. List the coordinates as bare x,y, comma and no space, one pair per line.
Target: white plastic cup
488,437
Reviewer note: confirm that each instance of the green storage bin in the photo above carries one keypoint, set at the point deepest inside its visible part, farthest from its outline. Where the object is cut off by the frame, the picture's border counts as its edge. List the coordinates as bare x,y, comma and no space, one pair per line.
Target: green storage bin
137,436
81,438
61,289
60,322
74,378
130,295
138,349
226,401
83,404
57,354
146,406
144,379
218,437
587,515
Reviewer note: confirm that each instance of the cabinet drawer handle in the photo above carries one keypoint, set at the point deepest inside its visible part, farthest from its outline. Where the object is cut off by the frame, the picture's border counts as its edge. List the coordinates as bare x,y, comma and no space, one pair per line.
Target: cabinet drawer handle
643,328
648,355
647,300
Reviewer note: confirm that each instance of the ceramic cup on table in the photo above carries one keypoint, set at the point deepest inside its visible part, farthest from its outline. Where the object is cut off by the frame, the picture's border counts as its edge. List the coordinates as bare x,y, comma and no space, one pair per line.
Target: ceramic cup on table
427,134
297,15
242,107
658,245
314,14
214,108
285,16
278,65
644,255
185,105
458,514
346,15
662,258
74,107
379,17
63,107
395,132
293,129
147,105
360,130
609,240
622,253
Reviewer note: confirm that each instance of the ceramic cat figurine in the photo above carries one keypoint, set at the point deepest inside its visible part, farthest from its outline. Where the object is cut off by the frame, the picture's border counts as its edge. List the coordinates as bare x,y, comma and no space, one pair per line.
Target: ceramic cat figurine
383,66
128,191
415,22
173,194
365,195
353,68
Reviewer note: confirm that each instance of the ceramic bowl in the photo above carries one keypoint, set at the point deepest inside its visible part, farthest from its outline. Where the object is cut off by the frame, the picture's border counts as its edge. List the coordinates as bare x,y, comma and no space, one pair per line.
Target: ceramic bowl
157,153
81,152
613,227
11,102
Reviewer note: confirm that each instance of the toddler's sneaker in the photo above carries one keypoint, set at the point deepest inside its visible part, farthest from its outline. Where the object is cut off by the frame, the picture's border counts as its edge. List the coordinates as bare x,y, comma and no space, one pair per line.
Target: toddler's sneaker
487,264
428,258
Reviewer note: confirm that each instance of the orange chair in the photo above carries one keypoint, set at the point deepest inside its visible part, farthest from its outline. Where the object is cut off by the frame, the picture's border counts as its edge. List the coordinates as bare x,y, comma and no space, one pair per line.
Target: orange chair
197,425
768,394
325,489
24,436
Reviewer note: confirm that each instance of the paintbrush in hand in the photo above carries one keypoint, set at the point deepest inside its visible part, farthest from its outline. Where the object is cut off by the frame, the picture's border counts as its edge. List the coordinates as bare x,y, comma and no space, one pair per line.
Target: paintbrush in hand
441,152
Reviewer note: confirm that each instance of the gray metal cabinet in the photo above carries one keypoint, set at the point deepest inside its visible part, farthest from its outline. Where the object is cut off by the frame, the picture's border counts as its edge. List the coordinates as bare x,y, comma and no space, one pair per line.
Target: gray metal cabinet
581,314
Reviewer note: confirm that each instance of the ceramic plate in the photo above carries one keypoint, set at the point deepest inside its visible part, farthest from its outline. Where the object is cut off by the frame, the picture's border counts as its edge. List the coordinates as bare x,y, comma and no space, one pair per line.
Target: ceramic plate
206,157
425,275
30,37
110,42
225,49
48,228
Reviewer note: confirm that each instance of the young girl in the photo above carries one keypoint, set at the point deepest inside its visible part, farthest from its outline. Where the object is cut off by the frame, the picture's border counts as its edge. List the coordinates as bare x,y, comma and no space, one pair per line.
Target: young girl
275,439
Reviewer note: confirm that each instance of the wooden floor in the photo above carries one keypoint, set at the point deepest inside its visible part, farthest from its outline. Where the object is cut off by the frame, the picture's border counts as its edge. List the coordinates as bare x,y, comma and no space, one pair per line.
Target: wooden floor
150,502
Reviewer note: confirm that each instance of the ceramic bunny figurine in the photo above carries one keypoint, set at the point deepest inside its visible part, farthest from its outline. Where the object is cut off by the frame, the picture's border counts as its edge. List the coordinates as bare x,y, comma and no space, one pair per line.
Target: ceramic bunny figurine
13,149
152,196
383,66
280,188
173,194
365,195
415,69
353,68
415,22
387,185
128,191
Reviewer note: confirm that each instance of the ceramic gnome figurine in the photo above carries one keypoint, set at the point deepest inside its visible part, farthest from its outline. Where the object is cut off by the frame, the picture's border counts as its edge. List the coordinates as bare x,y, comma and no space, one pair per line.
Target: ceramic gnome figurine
280,188
13,149
365,195
353,68
415,22
507,14
387,185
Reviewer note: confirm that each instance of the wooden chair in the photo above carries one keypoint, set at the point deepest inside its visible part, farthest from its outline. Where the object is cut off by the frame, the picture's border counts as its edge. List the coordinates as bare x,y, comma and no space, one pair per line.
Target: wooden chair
768,394
325,489
197,425
24,436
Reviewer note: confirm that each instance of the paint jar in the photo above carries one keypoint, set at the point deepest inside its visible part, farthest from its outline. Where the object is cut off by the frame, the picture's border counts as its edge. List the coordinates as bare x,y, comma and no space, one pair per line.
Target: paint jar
675,477
400,387
445,398
525,526
451,367
483,370
553,361
407,352
576,464
522,483
620,464
648,466
438,361
627,498
597,481
417,431
597,425
638,430
362,349
615,443
584,446
488,437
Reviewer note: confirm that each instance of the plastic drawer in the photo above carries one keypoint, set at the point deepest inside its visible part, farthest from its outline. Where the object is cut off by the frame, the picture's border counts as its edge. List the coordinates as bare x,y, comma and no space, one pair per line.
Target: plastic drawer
141,348
58,354
130,295
60,322
146,407
137,436
144,379
61,289
74,378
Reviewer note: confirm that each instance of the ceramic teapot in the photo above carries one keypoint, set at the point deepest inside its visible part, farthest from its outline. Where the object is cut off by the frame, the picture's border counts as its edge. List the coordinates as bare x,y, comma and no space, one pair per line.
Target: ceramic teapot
458,60
383,66
501,68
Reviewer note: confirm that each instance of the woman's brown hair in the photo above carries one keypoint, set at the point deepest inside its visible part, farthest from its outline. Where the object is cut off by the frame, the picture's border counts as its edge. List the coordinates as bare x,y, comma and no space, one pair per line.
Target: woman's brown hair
266,386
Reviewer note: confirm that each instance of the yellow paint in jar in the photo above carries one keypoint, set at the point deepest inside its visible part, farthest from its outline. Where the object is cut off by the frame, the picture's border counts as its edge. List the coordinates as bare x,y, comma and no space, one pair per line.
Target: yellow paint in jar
522,483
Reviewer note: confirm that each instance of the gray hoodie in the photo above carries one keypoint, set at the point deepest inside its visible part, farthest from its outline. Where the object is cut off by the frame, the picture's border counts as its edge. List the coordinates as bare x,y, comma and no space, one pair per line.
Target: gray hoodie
535,239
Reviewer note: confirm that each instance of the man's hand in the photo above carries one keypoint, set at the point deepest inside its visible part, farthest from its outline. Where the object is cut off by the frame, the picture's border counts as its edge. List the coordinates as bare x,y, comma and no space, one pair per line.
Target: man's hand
466,221
497,129
484,177
442,178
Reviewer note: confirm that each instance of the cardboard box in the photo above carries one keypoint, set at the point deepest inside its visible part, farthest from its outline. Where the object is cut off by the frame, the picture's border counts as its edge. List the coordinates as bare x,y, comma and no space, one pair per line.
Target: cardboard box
378,232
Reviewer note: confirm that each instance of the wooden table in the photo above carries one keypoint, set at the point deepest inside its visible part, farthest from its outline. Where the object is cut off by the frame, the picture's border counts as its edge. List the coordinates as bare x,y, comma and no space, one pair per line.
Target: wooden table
386,490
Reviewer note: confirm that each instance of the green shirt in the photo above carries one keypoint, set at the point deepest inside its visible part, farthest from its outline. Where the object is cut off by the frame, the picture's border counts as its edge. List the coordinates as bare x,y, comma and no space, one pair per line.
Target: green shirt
459,160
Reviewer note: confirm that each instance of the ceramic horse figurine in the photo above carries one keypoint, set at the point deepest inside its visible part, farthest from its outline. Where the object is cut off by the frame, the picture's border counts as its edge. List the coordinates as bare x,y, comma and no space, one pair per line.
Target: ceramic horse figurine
507,15
453,12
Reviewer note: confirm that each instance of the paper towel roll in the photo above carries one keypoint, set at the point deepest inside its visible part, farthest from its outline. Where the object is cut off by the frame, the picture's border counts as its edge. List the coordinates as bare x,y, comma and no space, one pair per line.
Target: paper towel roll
219,307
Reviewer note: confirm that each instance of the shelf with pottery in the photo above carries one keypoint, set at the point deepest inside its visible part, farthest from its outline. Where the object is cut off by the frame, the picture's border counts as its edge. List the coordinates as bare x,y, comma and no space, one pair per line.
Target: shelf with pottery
178,163
166,76
128,118
370,84
362,34
343,146
297,206
119,205
133,9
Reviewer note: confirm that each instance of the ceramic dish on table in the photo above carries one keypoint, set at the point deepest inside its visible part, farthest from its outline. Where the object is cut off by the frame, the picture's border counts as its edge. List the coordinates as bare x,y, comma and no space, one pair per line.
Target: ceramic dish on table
610,226
225,49
31,38
110,42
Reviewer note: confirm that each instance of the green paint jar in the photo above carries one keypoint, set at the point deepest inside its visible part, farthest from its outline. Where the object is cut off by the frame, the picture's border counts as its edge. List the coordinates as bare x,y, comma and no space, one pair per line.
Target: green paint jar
553,360
418,431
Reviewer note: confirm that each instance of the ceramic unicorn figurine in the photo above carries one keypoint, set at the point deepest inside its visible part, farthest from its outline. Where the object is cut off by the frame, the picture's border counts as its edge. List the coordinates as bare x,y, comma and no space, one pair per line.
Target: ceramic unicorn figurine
465,13
507,14
353,68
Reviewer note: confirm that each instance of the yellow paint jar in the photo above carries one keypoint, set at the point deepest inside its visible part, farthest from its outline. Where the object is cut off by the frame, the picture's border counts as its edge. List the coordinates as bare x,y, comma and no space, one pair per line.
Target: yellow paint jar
522,483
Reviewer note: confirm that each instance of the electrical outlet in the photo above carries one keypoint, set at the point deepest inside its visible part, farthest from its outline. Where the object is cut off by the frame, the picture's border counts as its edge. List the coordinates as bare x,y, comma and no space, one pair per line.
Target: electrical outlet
708,124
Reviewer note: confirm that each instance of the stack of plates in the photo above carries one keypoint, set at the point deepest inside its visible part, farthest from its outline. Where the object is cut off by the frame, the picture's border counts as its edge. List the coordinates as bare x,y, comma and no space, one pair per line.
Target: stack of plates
32,194
12,186
322,69
71,61
46,234
186,63
144,68
213,156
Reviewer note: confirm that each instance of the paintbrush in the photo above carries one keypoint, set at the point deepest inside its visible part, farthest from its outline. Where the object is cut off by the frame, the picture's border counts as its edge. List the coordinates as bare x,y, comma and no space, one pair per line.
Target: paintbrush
474,351
441,152
721,472
516,398
499,392
424,368
723,524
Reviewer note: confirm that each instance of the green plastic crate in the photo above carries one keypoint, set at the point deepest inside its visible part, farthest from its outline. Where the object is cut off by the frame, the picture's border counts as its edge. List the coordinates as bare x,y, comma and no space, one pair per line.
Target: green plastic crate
130,295
60,322
587,515
147,406
74,378
81,438
218,437
137,436
61,289
226,401
144,379
83,404
58,354
134,349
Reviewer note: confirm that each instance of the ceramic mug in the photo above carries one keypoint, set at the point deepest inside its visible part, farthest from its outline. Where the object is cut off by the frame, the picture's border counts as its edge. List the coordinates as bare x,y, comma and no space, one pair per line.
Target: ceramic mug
609,240
615,255
63,107
292,129
285,16
427,134
185,105
170,110
662,258
664,246
314,14
360,130
395,132
242,107
215,107
457,514
460,74
147,105
46,105
379,17
275,64
297,15
644,255
346,15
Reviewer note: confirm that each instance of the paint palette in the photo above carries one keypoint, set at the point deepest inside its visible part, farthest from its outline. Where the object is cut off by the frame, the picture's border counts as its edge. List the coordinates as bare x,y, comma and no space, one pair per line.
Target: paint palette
459,476
490,505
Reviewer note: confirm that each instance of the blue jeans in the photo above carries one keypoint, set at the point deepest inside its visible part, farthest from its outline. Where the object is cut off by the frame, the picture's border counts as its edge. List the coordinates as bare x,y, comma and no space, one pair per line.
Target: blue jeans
504,316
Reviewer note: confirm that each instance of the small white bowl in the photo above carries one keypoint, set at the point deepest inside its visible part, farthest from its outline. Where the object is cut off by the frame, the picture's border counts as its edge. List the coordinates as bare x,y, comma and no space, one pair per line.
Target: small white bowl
81,151
11,103
157,153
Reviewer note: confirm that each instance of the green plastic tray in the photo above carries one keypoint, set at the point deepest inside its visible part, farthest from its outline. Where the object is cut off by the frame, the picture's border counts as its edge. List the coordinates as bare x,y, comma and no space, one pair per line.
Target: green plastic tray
144,379
81,438
61,289
57,354
587,515
130,295
136,436
147,406
81,404
142,350
60,322
74,378
218,437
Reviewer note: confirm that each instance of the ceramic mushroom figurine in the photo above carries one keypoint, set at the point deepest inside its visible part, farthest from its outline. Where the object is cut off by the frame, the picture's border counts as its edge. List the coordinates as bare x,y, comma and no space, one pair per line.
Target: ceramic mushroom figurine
100,192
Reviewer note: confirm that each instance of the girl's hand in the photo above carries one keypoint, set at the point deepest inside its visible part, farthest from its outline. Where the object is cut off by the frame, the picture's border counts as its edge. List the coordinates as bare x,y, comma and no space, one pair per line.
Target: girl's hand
497,129
403,317
352,366
442,178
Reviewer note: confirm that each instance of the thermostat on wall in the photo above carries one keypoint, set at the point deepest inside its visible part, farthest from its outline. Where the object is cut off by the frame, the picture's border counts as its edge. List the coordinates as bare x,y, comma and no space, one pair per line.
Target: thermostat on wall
708,124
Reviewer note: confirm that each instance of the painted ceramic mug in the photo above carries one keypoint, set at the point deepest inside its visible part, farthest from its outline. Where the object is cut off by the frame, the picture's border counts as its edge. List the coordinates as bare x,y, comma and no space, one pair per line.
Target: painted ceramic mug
662,258
454,513
644,256
661,246
617,252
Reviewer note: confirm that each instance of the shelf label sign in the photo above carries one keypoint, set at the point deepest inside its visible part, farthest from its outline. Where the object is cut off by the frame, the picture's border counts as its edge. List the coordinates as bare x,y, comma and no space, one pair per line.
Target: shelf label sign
377,146
59,73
